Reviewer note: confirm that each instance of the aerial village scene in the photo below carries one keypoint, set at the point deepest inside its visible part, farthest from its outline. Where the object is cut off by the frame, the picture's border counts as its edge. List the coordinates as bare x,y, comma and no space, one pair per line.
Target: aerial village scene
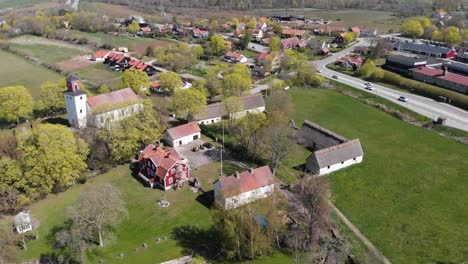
260,131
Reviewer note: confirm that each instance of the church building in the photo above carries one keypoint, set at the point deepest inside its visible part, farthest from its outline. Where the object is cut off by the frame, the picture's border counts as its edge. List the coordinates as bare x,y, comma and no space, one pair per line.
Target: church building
100,110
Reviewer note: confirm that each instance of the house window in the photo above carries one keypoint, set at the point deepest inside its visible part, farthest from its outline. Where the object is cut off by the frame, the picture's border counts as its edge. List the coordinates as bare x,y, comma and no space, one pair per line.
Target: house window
171,180
195,137
328,167
342,162
81,97
212,121
173,171
354,159
180,142
81,111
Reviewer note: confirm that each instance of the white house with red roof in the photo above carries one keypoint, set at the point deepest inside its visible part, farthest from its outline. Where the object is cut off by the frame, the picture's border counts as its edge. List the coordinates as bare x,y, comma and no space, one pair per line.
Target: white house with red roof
100,55
162,167
100,110
182,135
235,57
242,188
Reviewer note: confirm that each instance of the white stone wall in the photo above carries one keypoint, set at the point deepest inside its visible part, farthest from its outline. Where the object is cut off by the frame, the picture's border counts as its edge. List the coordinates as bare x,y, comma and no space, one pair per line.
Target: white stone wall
340,166
243,198
251,111
106,118
76,109
209,121
180,141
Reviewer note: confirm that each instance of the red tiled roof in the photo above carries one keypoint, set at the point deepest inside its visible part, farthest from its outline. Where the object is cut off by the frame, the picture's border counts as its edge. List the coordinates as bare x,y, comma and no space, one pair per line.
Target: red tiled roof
114,97
100,54
262,56
183,130
246,181
163,158
293,42
235,55
145,29
293,32
355,29
266,40
155,84
198,31
455,78
428,71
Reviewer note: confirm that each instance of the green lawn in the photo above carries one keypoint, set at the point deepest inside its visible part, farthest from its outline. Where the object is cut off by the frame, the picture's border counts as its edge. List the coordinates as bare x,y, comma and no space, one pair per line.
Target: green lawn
17,71
409,195
97,75
146,223
47,53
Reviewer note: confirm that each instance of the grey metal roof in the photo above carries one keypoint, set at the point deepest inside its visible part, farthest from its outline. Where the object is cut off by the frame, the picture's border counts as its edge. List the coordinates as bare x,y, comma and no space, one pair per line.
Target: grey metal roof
339,153
311,125
22,218
252,101
422,48
71,78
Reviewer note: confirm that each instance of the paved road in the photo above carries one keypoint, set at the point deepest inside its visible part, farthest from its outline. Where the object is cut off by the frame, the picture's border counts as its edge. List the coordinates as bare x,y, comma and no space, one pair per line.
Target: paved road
456,117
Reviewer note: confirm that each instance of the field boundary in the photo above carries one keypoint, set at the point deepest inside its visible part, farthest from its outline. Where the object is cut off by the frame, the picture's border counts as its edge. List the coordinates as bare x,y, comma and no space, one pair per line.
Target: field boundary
360,235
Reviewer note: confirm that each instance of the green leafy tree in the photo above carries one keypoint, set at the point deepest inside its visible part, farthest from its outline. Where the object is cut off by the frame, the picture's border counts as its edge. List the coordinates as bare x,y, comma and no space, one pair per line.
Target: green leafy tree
51,98
233,105
188,103
412,28
246,39
170,81
217,44
424,21
15,102
133,27
275,43
103,89
137,80
52,159
367,69
234,22
127,136
307,77
377,74
235,84
292,60
276,84
252,24
278,28
213,84
349,37
452,35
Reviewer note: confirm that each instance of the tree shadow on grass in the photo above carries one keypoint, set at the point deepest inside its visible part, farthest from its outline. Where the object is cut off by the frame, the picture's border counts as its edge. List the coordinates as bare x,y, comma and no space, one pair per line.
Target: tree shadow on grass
197,241
206,199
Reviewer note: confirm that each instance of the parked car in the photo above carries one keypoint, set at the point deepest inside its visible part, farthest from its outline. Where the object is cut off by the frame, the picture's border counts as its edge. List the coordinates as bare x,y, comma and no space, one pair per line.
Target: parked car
207,145
368,86
335,76
403,99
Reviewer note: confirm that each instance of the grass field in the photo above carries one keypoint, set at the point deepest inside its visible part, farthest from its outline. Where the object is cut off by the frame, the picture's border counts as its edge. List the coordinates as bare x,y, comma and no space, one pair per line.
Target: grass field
97,75
409,195
147,221
16,3
47,53
17,71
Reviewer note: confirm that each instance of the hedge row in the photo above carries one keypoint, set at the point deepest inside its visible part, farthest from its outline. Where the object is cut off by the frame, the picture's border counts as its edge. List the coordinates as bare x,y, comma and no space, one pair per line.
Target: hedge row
424,89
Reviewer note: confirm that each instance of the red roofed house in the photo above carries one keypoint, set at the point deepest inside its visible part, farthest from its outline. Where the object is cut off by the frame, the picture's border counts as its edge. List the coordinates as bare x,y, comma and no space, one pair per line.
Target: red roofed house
100,110
199,33
292,43
265,41
100,55
289,33
242,188
182,135
351,62
162,167
355,30
235,57
442,78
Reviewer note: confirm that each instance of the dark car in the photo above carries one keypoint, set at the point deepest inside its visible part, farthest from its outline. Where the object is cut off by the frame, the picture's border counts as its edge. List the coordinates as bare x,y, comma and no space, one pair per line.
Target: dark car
335,76
207,145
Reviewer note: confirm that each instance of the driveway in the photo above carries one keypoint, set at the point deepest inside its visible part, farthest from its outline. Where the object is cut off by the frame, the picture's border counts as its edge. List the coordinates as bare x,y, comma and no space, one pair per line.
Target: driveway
199,158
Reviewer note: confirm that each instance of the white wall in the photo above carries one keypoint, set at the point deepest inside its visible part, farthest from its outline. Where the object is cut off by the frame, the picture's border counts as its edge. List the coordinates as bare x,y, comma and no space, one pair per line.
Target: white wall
339,166
76,109
210,120
243,198
251,111
106,118
185,140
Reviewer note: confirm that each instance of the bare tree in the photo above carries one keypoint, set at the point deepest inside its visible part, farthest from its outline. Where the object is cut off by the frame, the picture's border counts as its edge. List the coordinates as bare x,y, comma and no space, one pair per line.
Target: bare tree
8,249
98,209
75,239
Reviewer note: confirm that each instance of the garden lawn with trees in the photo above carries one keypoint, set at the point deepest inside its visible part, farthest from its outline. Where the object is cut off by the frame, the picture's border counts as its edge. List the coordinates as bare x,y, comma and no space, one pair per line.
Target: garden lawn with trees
408,195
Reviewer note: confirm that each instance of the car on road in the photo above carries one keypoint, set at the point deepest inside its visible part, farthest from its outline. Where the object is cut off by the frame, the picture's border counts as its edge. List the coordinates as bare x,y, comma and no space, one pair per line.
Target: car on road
403,99
335,76
319,71
368,86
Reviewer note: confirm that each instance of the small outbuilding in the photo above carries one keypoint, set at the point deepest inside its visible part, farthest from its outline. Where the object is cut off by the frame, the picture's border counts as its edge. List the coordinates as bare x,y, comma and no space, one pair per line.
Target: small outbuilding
331,152
23,222
182,135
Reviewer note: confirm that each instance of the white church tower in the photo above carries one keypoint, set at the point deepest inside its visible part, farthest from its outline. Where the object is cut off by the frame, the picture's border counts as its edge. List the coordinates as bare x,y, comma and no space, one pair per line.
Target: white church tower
75,100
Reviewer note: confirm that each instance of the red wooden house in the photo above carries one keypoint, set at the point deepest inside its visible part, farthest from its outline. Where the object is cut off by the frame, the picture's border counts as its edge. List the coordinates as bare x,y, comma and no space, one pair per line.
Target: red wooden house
162,167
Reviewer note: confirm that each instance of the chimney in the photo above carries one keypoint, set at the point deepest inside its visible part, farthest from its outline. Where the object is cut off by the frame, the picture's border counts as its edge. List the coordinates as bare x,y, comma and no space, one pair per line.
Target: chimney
236,175
445,70
251,170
